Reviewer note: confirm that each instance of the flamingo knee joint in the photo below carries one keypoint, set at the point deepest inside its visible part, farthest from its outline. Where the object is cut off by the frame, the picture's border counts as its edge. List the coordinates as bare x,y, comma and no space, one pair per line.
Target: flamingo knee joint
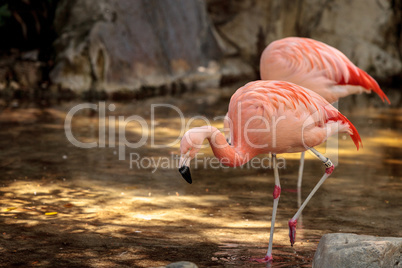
277,192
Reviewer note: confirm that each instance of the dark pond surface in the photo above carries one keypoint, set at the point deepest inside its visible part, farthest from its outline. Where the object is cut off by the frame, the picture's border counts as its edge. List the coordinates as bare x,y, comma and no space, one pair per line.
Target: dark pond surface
139,212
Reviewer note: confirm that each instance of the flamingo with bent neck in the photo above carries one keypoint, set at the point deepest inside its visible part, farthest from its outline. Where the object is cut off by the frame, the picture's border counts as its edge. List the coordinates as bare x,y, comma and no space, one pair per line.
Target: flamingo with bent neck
271,117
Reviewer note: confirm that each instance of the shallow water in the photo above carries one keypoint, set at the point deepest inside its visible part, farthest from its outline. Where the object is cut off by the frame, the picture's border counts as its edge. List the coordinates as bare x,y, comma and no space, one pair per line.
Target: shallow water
111,214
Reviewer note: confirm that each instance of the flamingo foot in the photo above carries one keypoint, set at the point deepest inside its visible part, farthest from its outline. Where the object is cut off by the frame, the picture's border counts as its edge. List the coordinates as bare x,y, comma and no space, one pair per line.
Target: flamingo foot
267,258
292,231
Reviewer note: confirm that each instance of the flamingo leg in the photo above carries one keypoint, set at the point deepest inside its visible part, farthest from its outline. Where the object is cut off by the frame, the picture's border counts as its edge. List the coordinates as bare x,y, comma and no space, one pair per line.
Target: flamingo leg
301,167
299,179
276,195
328,171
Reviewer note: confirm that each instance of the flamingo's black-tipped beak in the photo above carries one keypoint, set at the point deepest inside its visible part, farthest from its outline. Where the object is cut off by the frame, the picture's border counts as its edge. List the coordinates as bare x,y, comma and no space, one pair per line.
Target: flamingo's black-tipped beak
185,173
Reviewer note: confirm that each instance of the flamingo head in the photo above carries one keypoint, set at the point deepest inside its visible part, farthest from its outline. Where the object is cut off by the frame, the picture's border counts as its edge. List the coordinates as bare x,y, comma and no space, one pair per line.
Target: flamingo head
190,145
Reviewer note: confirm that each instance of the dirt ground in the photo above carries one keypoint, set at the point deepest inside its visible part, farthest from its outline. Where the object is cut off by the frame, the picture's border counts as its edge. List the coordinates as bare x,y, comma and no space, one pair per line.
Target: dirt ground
64,206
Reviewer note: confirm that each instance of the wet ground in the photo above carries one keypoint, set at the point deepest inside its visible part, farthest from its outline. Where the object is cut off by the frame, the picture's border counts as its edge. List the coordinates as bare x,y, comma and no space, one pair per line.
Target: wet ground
111,214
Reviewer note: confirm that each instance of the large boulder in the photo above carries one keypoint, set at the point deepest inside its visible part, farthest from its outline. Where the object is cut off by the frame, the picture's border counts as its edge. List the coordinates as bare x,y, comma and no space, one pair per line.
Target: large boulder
355,251
122,44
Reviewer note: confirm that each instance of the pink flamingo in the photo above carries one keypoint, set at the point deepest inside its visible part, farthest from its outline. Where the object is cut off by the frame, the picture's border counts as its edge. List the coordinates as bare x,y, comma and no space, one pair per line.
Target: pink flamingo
271,117
318,67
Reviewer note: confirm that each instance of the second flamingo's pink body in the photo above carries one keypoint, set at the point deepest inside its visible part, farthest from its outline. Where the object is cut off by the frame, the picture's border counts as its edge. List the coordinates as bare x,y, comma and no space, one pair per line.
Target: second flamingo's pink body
316,66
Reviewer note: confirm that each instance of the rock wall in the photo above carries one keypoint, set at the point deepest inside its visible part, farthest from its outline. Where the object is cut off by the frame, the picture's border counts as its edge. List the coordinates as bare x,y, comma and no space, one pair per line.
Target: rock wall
121,44
368,32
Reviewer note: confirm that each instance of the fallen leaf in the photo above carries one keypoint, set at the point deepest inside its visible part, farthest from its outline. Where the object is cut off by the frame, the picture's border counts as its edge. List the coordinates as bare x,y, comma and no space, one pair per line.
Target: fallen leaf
50,213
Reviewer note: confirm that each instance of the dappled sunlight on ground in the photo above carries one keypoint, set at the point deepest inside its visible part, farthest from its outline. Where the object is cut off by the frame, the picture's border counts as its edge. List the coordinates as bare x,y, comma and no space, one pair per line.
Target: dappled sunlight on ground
66,206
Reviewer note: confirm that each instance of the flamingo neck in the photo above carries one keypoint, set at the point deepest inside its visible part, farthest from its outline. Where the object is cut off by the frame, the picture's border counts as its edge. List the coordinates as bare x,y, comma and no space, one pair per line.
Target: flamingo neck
231,156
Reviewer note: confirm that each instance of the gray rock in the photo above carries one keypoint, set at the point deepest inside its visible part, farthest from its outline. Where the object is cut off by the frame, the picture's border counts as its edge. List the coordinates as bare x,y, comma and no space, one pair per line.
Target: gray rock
121,44
355,251
180,264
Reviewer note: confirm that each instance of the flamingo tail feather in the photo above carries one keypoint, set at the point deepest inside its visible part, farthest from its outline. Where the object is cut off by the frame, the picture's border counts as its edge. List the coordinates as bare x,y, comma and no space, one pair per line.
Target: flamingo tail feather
359,77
